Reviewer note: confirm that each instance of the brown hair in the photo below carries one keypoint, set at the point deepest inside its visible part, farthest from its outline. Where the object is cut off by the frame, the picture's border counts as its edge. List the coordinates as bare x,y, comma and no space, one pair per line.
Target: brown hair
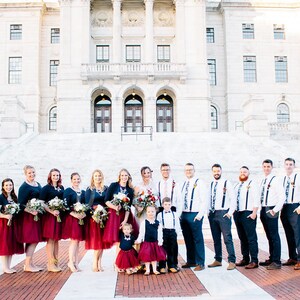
49,180
129,182
12,194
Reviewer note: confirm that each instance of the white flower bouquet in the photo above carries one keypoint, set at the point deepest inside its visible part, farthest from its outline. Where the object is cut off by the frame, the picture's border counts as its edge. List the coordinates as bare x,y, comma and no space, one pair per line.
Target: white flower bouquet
58,204
100,215
11,209
80,208
35,205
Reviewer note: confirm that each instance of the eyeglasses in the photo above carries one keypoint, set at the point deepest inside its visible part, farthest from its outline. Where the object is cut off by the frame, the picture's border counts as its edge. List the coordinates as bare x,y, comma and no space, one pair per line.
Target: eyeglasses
165,170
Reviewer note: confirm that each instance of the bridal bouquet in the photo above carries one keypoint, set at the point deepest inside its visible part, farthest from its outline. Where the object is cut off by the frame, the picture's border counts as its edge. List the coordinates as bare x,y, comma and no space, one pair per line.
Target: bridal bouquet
100,215
121,199
57,204
80,208
11,209
145,199
35,205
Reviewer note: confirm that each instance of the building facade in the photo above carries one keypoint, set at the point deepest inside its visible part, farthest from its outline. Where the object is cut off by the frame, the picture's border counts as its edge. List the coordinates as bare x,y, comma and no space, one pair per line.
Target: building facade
130,65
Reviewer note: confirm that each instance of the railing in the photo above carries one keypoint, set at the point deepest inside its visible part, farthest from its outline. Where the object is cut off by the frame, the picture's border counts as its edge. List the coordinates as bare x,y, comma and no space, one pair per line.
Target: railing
136,130
293,127
107,70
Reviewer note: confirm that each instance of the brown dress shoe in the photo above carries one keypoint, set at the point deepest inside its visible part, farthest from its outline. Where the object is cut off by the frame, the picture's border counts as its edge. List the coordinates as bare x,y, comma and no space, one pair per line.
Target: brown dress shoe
242,263
215,264
265,263
252,265
274,266
297,266
289,262
199,268
187,265
231,266
173,270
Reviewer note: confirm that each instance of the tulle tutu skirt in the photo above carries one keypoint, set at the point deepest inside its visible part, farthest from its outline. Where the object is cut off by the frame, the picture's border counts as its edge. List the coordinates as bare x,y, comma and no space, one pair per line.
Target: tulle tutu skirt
71,229
51,229
28,231
127,259
150,251
8,242
111,233
93,235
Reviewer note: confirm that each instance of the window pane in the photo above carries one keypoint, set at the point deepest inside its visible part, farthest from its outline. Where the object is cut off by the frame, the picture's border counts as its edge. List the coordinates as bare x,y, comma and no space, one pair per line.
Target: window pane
249,68
281,69
15,70
133,53
248,31
279,32
53,72
102,53
214,118
163,53
16,32
283,113
210,35
212,71
53,118
55,35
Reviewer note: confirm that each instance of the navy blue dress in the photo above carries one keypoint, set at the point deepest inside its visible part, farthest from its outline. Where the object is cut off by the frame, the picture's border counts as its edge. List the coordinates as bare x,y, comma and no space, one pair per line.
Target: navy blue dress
51,229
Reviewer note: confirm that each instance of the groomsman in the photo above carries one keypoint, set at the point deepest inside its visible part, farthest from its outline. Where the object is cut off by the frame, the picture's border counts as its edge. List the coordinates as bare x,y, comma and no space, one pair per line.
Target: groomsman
221,208
247,203
191,208
166,186
289,214
272,197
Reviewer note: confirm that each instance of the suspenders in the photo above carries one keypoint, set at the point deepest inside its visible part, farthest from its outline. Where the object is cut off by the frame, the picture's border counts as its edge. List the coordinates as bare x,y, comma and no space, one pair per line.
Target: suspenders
192,197
268,187
247,195
172,192
163,219
224,194
293,189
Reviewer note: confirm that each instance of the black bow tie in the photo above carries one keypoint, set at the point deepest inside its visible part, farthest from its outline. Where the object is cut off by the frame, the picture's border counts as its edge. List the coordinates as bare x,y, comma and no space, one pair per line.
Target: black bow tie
167,212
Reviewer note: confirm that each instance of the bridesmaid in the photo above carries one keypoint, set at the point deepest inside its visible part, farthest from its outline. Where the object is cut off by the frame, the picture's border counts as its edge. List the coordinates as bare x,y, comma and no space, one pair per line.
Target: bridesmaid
71,228
51,229
8,243
29,230
116,220
94,195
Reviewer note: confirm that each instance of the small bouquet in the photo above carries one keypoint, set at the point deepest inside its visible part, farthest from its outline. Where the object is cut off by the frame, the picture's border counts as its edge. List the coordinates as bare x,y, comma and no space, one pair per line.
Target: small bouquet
121,199
11,209
80,208
144,200
35,205
57,204
100,215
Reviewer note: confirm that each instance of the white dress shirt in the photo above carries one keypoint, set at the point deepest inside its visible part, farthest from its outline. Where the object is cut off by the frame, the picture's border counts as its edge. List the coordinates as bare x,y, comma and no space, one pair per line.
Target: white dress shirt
167,188
199,203
273,188
230,196
249,195
171,220
294,188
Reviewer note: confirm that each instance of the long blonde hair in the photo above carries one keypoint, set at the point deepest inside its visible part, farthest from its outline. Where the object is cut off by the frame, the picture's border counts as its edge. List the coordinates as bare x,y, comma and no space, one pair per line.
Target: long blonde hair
92,185
129,182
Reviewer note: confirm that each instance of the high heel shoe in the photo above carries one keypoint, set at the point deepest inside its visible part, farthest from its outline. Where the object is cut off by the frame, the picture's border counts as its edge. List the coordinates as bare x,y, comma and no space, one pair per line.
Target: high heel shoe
72,268
52,267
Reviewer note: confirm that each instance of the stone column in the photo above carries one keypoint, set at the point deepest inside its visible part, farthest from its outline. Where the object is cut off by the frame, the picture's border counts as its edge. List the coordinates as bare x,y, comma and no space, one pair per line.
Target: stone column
117,25
149,31
180,36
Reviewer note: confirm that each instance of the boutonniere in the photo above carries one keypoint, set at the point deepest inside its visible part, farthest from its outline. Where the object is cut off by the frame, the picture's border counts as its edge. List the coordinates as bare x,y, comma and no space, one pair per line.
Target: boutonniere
195,185
269,185
293,184
224,190
248,187
173,184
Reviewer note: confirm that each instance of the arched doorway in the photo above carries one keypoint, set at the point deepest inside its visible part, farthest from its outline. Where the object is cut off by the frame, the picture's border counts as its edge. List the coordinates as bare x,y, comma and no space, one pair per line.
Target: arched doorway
164,114
133,118
102,114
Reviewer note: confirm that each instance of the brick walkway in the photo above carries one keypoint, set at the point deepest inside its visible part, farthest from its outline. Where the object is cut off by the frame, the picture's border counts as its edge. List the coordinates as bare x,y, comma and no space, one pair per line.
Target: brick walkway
181,284
280,284
39,286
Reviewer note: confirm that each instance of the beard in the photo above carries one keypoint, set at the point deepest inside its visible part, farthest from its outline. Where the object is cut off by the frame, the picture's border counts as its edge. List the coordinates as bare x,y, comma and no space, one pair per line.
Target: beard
243,178
217,176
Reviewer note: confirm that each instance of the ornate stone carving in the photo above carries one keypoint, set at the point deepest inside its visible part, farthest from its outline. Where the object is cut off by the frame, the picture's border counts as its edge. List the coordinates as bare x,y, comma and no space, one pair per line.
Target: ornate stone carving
164,16
133,17
101,18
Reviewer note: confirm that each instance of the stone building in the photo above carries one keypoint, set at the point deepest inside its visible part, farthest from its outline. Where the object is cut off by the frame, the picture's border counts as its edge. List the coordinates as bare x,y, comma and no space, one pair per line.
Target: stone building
134,65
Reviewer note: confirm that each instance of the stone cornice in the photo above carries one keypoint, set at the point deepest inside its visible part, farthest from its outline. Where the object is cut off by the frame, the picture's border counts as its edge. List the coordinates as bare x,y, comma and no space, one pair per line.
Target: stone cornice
238,4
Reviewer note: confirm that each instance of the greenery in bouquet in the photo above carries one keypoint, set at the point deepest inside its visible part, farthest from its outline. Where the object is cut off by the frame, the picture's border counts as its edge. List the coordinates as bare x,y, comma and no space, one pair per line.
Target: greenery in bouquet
58,204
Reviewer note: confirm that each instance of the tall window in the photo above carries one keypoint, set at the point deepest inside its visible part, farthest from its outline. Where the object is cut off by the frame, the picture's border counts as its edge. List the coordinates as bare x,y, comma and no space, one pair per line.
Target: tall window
16,32
133,53
283,113
163,53
249,68
15,70
281,74
53,72
212,71
210,35
164,114
102,115
279,32
133,120
102,53
55,35
53,118
213,117
248,31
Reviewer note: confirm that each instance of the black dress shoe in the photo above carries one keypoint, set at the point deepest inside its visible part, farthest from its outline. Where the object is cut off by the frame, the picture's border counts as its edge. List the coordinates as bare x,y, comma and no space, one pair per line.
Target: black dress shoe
187,265
290,262
242,263
265,263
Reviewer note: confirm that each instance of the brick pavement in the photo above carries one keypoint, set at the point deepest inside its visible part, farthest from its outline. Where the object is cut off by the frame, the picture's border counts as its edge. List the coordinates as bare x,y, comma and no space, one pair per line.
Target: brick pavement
280,284
181,284
39,286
